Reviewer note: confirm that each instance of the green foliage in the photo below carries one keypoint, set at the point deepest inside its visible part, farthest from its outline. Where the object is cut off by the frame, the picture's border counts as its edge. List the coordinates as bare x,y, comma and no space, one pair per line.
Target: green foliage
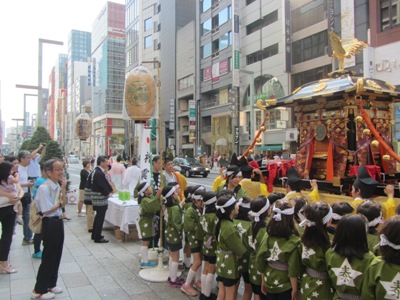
53,150
25,145
41,135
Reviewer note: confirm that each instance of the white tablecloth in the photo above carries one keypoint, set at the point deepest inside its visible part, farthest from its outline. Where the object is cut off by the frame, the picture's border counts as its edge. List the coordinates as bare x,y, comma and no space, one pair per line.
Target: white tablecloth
122,213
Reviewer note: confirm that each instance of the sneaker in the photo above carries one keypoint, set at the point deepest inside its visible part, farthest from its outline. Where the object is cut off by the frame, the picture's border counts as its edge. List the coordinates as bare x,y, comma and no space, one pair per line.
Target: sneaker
48,295
82,215
147,265
56,290
197,285
24,243
188,290
19,220
180,279
37,255
175,284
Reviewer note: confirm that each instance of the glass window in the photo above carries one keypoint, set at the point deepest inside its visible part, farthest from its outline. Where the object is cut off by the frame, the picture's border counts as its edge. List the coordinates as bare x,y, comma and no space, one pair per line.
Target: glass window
148,24
224,15
310,47
390,14
225,40
148,41
206,27
206,5
206,50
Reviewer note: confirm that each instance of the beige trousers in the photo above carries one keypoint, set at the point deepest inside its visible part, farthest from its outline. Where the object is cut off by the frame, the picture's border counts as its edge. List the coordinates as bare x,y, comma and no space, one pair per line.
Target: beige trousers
89,216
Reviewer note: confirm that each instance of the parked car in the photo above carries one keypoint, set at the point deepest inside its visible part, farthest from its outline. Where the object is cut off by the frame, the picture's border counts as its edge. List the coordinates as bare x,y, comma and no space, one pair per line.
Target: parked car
73,159
190,166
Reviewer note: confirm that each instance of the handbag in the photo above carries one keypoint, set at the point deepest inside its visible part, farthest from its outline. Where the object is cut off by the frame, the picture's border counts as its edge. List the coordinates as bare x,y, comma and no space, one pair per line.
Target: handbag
26,199
35,219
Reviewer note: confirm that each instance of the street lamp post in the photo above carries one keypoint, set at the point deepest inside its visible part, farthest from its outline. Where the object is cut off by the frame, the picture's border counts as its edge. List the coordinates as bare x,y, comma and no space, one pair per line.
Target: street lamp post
40,65
25,95
27,87
17,139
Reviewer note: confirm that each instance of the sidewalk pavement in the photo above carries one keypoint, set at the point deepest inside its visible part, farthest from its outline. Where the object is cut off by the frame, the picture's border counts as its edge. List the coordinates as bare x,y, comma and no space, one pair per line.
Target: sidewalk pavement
88,271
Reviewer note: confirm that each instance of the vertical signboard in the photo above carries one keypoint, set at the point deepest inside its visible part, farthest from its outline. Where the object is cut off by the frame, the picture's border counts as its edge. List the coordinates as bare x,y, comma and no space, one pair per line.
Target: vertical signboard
192,121
288,38
236,135
172,114
347,26
235,44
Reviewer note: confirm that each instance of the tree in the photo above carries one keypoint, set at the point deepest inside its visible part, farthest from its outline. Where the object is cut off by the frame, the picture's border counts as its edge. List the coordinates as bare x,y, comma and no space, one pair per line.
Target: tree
53,150
25,145
40,136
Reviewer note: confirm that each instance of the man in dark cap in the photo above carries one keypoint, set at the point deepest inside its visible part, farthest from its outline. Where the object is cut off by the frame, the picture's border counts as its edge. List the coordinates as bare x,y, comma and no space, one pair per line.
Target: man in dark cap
363,190
253,180
293,186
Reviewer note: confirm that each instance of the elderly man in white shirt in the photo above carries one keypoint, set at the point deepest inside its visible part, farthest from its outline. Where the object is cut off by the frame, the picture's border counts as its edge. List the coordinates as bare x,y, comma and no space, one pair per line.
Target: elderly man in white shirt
34,167
132,176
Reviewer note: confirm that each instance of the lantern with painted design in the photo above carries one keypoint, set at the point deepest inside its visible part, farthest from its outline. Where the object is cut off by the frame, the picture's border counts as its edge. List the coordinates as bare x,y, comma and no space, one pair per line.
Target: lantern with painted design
83,126
140,91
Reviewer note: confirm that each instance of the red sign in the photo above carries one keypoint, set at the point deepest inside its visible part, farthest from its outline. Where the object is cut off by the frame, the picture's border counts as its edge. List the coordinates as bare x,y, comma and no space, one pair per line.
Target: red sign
207,74
223,67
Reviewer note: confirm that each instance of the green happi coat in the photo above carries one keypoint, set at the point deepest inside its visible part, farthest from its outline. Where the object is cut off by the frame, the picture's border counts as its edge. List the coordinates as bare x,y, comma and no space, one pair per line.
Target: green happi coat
346,276
190,224
238,192
243,228
254,274
230,248
284,251
373,243
381,281
147,209
174,230
314,286
206,233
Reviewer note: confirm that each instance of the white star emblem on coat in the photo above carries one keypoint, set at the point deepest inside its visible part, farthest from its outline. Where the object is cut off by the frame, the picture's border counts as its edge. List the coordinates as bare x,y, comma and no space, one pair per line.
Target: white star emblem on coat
315,294
275,251
254,277
223,265
251,244
306,286
204,224
175,239
226,256
276,282
193,237
307,252
319,282
241,230
345,274
229,272
145,225
392,287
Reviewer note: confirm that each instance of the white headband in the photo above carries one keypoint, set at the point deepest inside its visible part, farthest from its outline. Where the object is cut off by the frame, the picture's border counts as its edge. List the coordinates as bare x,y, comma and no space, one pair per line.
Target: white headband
211,200
336,216
376,221
198,197
300,215
146,186
257,214
227,204
169,193
278,213
325,219
385,242
244,205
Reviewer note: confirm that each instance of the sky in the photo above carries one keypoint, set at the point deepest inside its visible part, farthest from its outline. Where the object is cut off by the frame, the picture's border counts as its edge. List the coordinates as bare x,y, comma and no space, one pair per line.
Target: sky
22,23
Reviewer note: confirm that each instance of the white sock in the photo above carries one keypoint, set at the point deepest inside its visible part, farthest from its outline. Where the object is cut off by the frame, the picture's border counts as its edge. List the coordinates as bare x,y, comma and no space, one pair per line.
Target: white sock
208,285
144,254
198,274
186,261
203,283
190,276
173,272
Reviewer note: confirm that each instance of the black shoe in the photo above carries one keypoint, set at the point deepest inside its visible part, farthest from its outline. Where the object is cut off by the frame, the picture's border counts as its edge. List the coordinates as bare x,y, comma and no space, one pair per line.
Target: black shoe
101,237
90,230
102,241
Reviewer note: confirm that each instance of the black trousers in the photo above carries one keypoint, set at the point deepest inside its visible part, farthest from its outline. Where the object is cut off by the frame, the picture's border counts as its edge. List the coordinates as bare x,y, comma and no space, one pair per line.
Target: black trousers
53,242
7,220
98,221
37,240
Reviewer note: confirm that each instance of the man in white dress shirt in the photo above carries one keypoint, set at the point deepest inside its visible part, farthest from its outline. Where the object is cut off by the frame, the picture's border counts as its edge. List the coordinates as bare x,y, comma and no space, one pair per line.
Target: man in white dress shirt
132,176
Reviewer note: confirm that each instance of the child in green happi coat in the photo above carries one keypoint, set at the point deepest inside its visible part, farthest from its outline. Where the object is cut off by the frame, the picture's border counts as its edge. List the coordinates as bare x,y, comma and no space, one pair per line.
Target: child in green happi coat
278,257
173,233
382,279
373,212
206,234
191,222
315,282
243,224
230,247
148,207
349,257
259,212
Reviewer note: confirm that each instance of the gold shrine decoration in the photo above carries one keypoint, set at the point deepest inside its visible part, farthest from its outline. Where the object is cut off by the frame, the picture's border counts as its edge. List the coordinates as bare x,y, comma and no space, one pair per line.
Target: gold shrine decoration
140,92
83,126
342,51
257,137
374,132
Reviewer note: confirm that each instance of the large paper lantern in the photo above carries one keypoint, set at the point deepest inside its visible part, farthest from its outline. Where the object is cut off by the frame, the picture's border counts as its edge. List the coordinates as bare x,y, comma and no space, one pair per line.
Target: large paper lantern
140,91
83,126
